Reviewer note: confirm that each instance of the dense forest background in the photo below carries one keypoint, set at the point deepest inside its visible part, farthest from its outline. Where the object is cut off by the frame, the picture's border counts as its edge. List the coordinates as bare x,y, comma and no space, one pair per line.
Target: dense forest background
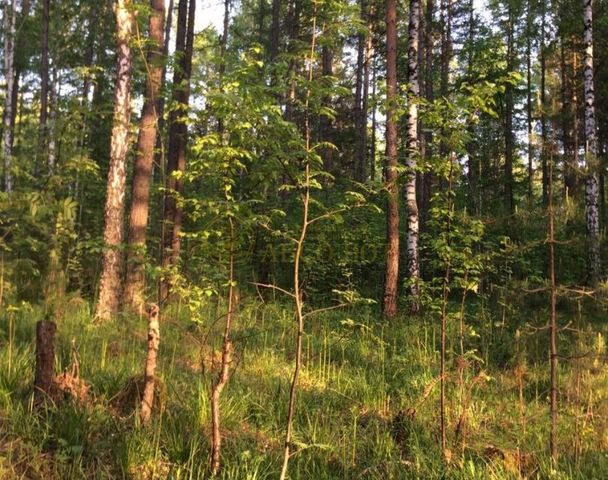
324,239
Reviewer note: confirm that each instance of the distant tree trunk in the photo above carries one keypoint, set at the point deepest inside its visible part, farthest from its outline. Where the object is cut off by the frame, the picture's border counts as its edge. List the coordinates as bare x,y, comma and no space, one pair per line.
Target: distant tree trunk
391,276
567,121
275,30
529,99
575,117
413,264
178,130
427,177
109,290
325,123
374,124
361,98
52,126
144,161
446,44
44,85
509,106
160,154
543,107
591,157
10,13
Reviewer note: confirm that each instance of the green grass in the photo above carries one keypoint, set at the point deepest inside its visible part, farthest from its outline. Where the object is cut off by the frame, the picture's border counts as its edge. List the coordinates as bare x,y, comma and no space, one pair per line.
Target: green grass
359,373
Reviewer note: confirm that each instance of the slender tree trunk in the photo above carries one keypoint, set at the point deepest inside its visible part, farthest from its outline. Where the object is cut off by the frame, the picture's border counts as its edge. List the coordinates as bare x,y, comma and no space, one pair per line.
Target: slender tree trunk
224,373
553,332
160,153
178,131
325,123
110,285
374,123
591,157
147,401
529,99
413,264
44,86
509,106
52,126
360,98
10,13
144,161
575,118
543,108
427,176
391,276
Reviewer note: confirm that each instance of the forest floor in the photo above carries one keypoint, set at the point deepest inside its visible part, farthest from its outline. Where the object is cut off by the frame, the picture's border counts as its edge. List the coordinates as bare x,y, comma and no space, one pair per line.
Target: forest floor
367,407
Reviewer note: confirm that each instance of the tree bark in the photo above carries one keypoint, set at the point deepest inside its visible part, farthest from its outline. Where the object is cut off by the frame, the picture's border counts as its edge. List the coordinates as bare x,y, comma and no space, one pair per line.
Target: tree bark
543,107
147,401
10,13
591,157
178,130
144,161
45,360
44,86
391,272
275,30
109,290
413,264
509,106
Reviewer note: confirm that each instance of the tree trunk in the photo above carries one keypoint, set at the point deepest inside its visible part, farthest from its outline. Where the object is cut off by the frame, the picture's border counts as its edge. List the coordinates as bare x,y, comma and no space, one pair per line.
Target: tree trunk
275,30
568,119
144,161
109,290
147,401
427,177
591,157
413,265
529,100
543,107
10,12
391,276
45,360
178,130
44,87
509,106
360,98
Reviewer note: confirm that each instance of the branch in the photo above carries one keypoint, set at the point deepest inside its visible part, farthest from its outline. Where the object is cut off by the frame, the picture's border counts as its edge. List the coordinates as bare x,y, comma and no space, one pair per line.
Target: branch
326,309
274,287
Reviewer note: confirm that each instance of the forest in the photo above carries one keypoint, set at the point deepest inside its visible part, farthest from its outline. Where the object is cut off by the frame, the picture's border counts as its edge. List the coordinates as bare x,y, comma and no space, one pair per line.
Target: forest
304,239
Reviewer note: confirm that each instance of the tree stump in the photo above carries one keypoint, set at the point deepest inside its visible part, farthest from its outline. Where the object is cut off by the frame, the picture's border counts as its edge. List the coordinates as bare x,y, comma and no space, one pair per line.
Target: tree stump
45,360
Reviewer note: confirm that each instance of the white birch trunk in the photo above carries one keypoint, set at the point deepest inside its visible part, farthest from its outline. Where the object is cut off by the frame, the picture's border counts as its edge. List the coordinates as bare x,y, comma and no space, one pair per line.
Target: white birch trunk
591,163
10,12
413,266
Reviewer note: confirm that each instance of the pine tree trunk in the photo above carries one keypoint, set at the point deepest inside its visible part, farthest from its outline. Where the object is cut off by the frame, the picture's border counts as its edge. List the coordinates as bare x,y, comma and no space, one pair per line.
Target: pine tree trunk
275,30
413,265
44,86
391,276
144,161
591,160
10,13
109,290
568,120
360,99
543,107
509,106
178,130
529,99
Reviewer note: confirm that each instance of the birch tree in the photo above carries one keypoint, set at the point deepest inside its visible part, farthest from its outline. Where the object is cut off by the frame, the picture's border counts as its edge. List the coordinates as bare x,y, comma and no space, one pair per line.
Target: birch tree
10,12
591,182
109,290
413,265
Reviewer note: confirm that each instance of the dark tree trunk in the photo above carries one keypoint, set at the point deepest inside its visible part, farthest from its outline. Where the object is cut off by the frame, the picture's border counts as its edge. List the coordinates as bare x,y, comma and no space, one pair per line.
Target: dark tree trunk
275,30
176,161
45,360
44,85
391,275
148,128
509,106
